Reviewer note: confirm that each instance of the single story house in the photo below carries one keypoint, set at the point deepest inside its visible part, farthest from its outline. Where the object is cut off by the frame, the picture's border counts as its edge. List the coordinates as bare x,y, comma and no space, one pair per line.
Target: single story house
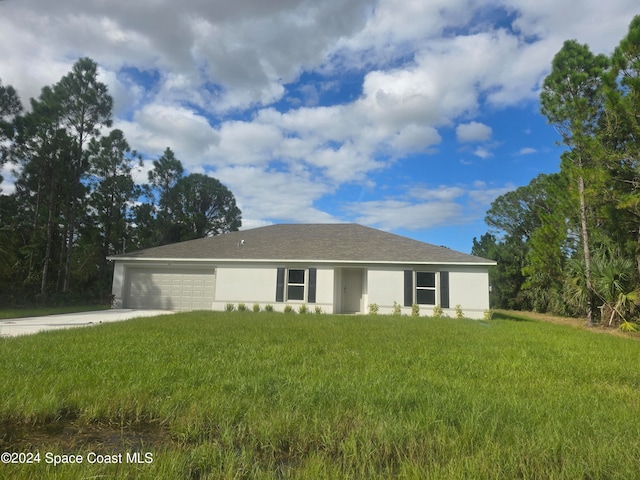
342,268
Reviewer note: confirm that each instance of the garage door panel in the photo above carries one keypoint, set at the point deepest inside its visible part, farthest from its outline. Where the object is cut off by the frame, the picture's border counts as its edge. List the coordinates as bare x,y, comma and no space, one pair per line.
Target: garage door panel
173,290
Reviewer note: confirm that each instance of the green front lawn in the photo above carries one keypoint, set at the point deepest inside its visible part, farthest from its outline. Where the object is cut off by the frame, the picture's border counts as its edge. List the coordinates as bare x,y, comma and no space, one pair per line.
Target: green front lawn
244,395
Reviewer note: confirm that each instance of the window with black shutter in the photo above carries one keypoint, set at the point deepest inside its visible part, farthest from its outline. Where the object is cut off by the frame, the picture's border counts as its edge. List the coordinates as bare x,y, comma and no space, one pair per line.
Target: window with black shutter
292,283
426,288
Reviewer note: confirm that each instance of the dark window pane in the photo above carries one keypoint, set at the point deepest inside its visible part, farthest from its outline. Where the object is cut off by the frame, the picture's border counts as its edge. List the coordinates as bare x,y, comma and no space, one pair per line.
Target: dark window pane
295,292
426,297
296,276
426,279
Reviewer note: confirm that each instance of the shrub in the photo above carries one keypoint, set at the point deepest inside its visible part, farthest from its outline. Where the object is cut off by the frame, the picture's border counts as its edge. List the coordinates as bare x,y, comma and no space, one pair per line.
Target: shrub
268,308
373,308
256,307
438,312
397,309
415,310
242,307
318,309
459,313
230,307
288,309
488,314
628,327
303,309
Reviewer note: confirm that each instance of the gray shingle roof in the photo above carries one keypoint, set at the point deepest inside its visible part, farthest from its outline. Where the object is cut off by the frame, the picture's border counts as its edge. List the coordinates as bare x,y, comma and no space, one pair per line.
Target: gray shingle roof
316,242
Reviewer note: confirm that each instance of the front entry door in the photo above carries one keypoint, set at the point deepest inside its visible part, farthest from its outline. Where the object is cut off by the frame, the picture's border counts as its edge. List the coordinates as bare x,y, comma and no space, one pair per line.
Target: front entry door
352,290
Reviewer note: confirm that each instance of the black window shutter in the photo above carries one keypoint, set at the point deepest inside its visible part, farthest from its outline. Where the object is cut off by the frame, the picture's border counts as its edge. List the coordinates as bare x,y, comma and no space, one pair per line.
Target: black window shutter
280,285
444,289
408,288
311,291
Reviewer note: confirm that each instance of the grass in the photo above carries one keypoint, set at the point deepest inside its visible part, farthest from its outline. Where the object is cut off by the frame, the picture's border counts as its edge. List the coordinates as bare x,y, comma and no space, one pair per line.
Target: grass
266,395
39,311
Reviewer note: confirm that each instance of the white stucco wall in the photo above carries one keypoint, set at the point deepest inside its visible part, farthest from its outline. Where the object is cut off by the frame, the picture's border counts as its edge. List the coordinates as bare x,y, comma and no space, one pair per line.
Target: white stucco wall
325,279
236,283
117,287
386,285
250,284
257,284
468,287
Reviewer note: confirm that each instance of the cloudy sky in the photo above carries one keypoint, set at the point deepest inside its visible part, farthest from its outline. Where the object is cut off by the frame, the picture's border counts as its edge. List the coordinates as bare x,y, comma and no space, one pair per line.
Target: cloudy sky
405,115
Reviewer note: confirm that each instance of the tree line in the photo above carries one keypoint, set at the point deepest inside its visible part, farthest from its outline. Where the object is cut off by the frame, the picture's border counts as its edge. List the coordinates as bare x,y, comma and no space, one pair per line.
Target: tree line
569,242
75,200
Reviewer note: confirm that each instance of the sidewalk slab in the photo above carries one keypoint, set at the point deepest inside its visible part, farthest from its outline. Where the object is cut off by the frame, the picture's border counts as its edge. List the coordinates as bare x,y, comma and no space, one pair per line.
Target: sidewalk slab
12,327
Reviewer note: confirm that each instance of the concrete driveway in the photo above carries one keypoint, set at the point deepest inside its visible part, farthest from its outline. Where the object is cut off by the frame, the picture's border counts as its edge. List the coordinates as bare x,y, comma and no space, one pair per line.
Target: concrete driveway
12,327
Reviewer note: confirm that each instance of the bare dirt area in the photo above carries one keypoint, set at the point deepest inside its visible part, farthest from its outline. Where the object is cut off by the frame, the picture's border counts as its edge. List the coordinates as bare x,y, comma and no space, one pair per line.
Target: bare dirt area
579,323
65,436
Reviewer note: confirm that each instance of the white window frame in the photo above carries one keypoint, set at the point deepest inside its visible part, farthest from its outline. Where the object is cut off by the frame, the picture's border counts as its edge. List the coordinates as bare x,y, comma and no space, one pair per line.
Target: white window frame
435,288
304,284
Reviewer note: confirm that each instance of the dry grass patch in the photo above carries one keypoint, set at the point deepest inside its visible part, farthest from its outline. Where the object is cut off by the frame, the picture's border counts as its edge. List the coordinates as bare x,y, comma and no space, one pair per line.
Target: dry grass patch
579,323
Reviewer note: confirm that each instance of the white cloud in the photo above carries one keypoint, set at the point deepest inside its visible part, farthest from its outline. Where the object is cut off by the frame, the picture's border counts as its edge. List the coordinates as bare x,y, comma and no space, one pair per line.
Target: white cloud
140,173
342,140
220,67
442,193
344,164
395,214
393,27
268,195
7,186
245,143
599,24
428,207
247,48
156,126
473,132
527,151
414,138
482,152
483,195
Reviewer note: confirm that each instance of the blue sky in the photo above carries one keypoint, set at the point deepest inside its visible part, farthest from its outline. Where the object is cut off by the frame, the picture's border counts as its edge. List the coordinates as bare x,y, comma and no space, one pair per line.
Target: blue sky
407,115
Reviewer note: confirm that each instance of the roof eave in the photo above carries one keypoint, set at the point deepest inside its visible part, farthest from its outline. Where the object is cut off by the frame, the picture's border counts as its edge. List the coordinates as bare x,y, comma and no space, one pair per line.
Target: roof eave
296,260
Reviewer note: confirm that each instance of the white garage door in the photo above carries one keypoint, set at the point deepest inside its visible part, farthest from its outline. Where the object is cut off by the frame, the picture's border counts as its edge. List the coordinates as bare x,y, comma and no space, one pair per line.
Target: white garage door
174,289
